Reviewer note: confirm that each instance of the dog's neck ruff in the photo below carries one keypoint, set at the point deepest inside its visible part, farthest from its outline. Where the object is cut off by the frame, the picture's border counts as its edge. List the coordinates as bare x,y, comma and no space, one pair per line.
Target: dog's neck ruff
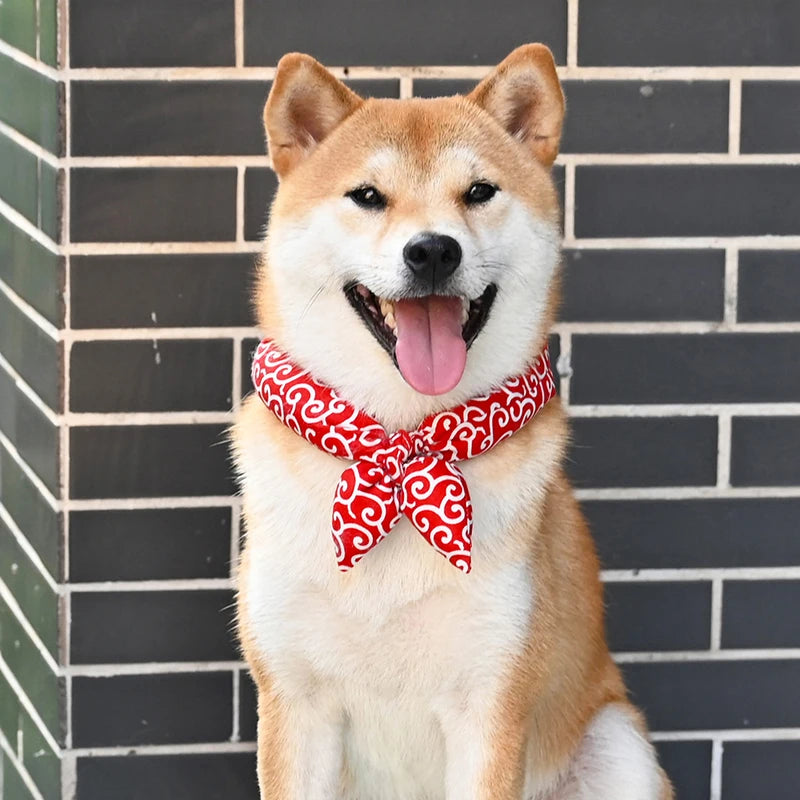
408,472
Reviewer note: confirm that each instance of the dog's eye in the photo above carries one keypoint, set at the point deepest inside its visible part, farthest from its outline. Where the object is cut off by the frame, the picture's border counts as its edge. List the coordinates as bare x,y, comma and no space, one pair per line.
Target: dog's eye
479,192
367,197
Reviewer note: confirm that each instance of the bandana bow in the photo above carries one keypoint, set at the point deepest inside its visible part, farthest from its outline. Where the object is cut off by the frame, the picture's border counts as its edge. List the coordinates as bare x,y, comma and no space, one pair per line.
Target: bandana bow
408,472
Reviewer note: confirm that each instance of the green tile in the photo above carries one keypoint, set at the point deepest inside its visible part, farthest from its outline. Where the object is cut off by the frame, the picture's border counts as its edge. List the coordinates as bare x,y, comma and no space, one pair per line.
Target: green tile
18,24
14,787
36,599
31,432
50,183
35,273
31,103
10,710
19,178
38,758
48,32
33,515
31,352
38,681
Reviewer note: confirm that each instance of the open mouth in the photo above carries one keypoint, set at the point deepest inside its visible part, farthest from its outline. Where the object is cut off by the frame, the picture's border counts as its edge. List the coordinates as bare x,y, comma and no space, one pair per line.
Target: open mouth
427,337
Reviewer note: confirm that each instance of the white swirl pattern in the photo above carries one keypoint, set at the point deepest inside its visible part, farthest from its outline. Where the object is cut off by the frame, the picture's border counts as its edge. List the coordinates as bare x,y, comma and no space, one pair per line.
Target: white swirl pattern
408,472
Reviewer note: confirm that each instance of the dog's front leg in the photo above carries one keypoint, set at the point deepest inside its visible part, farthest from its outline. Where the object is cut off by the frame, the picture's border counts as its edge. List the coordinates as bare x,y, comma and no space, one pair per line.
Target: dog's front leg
300,747
485,753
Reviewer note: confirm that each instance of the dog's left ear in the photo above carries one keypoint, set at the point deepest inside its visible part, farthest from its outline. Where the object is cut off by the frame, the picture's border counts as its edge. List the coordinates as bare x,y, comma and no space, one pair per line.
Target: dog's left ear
304,105
524,95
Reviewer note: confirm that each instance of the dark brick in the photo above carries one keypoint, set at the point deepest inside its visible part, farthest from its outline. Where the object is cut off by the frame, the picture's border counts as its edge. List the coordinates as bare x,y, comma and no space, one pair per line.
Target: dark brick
260,185
685,32
658,616
149,544
442,87
684,368
643,451
118,118
149,461
756,614
761,769
31,432
769,286
151,375
671,534
649,285
642,117
153,205
687,200
770,117
709,695
177,708
130,627
765,451
35,355
688,765
165,291
402,33
248,350
166,777
178,33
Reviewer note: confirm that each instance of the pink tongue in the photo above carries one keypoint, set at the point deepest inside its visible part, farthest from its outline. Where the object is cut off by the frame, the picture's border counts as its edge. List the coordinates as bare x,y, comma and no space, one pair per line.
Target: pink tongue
430,351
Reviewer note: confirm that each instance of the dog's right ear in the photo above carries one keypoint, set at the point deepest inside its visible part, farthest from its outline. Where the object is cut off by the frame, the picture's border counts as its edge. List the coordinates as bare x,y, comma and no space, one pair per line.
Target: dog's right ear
304,105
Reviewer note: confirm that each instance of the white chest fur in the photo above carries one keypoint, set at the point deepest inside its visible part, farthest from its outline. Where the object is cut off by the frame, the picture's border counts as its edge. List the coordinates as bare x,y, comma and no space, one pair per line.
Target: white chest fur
404,634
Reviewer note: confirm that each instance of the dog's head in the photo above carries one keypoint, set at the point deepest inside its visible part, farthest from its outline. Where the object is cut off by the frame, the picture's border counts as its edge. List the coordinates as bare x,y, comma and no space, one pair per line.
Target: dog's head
412,244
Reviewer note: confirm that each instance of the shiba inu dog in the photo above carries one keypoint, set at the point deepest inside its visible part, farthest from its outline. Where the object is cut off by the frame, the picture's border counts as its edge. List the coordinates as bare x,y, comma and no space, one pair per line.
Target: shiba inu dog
411,264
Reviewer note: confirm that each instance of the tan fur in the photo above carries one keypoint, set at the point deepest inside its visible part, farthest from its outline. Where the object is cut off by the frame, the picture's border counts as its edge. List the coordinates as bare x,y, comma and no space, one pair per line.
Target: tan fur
563,674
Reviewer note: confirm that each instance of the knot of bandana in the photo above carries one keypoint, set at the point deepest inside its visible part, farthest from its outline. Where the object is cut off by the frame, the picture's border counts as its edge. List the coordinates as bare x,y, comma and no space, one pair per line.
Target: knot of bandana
407,473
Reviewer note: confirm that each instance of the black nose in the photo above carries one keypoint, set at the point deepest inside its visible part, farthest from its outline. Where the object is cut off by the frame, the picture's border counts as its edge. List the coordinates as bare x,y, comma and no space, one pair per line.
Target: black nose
432,257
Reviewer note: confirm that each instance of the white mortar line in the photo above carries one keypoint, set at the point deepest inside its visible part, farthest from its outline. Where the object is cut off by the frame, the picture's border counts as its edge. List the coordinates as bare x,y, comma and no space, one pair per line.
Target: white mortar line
724,451
29,392
572,33
238,27
235,732
731,285
715,791
767,242
160,585
27,227
50,499
133,503
729,735
716,613
686,492
240,204
790,654
688,410
564,365
28,61
23,773
165,749
29,311
475,72
158,248
151,668
735,116
20,538
69,776
790,573
406,87
83,420
29,145
130,334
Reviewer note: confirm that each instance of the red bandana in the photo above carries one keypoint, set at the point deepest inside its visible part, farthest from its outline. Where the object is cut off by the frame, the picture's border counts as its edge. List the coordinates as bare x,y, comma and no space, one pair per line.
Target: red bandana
409,472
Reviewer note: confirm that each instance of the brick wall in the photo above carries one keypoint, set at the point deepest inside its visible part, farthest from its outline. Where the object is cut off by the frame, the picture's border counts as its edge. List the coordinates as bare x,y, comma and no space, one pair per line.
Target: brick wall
133,187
